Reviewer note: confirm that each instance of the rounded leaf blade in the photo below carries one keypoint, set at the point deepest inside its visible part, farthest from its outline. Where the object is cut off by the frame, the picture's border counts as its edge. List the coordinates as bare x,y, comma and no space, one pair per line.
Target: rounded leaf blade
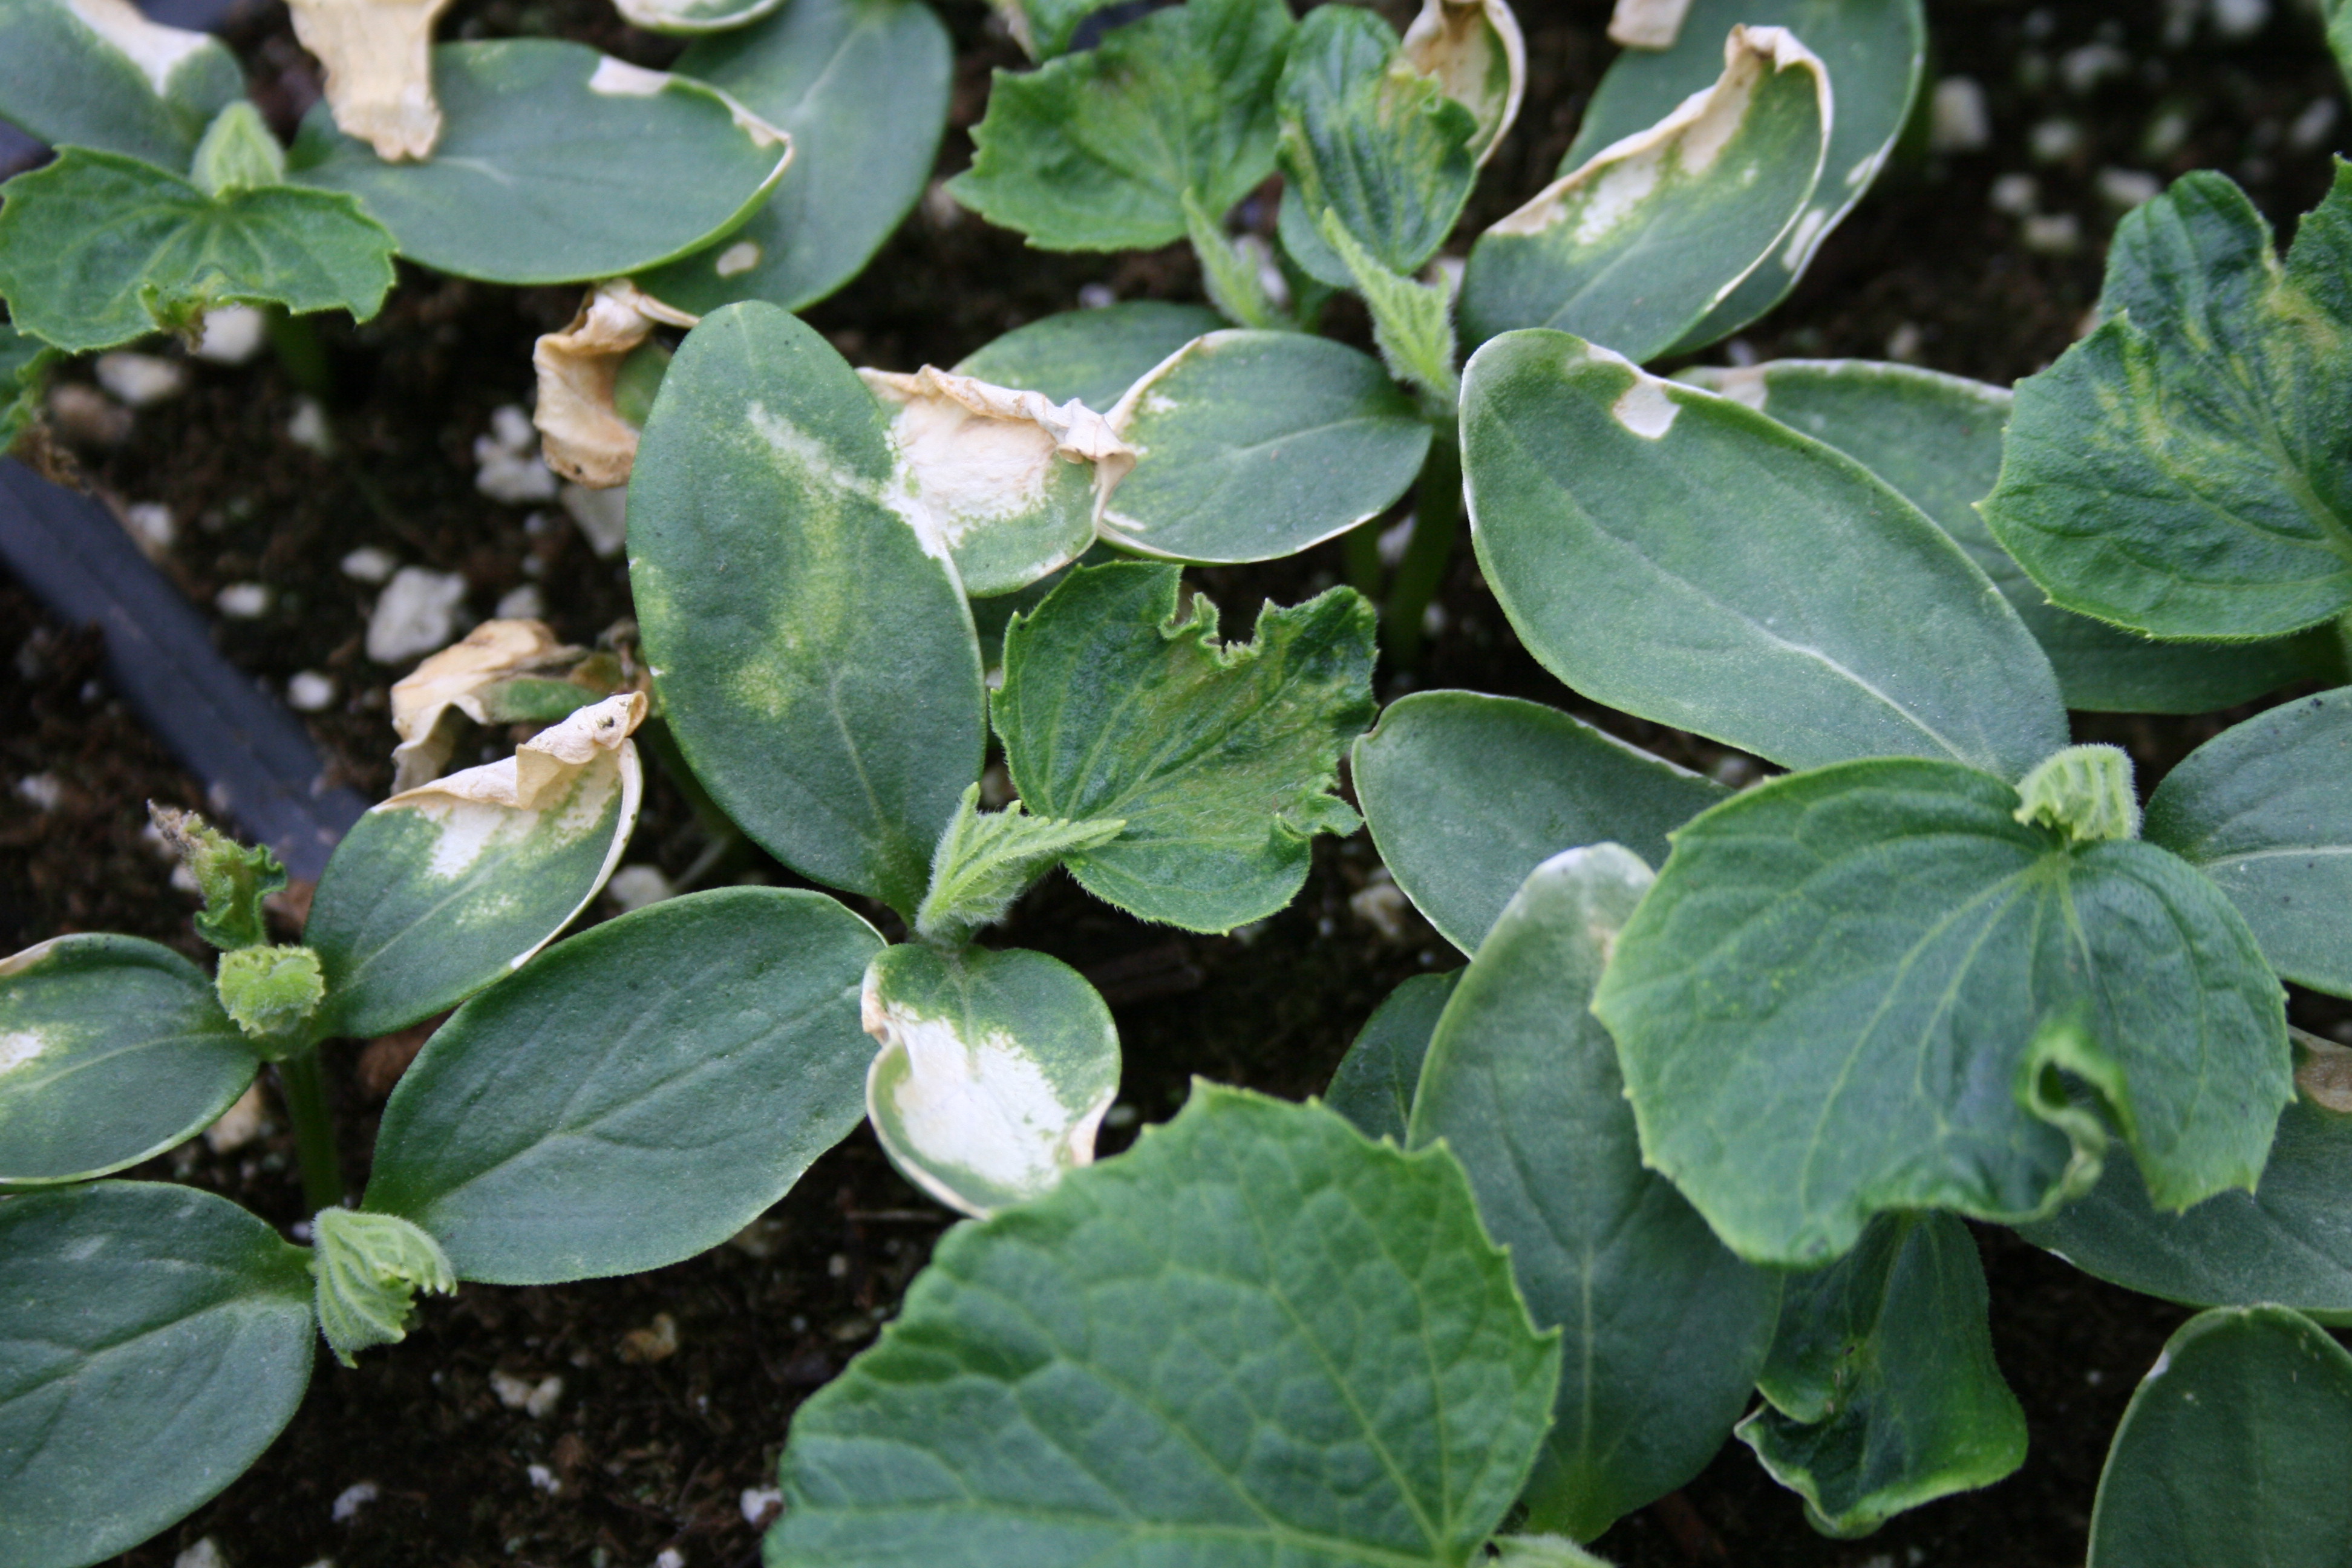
1093,355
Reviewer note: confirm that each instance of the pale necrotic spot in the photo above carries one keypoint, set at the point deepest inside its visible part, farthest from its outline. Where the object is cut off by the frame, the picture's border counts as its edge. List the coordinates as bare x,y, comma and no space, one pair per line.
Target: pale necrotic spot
618,79
158,51
738,258
1645,409
19,1048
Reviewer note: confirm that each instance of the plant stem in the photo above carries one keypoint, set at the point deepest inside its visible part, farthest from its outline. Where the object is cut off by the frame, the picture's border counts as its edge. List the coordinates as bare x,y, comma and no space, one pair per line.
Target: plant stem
305,1093
295,341
1362,547
1437,517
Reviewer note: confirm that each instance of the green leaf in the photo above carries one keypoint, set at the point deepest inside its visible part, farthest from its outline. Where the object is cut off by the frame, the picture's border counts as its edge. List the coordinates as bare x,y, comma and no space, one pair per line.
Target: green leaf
1413,324
1883,1394
1874,52
2185,470
1466,794
1936,439
112,1050
994,1071
1094,150
1045,28
1369,142
24,363
1664,1328
2232,1449
1863,988
556,164
2339,36
817,666
2265,810
1254,445
368,1268
1375,1082
1092,356
271,992
1220,759
861,87
1255,1338
97,74
1542,1552
1661,550
1232,279
443,890
638,1095
2082,792
238,154
987,860
235,880
691,18
1636,248
2288,1241
159,1337
97,248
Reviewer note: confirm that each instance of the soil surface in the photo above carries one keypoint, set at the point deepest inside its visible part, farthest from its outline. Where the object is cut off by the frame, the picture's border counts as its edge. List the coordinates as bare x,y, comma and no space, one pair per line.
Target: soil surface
677,1387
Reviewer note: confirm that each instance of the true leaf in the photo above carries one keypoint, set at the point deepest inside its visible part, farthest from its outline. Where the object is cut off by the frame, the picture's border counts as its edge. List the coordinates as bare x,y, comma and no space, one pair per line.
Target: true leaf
1882,1386
97,248
1047,27
2265,810
97,74
446,888
2232,1449
987,860
111,1049
861,87
2185,470
1252,445
1862,988
1875,51
1256,1337
556,164
159,1337
1466,794
1661,549
1096,151
1091,355
1413,324
235,878
368,1270
1662,1329
1635,248
1374,1083
25,363
817,666
1369,140
1936,439
994,1070
641,1093
1221,758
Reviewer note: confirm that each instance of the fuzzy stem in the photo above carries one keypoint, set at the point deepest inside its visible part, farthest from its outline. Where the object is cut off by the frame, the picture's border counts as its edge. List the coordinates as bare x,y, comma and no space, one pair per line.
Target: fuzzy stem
1437,517
305,1092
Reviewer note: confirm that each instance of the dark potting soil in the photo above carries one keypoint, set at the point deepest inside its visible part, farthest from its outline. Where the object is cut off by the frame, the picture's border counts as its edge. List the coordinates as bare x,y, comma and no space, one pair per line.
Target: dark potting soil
675,1389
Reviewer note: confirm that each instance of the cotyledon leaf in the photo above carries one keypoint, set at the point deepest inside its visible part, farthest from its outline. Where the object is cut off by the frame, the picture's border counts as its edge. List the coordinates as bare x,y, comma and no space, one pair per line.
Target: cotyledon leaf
1866,987
816,661
639,1094
1256,1337
556,164
2288,1241
2185,470
111,1049
97,74
1882,1392
1096,151
1936,439
1092,356
1660,549
1637,246
994,1070
1220,757
1374,1083
2264,809
861,87
1466,794
155,1333
1475,49
2232,1449
1662,1329
1874,52
439,891
1252,445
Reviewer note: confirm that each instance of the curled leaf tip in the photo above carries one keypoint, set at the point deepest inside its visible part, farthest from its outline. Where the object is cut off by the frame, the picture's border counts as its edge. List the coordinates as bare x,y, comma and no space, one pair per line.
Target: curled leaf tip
455,681
369,1268
546,761
1647,23
234,878
2084,791
975,450
1475,49
379,65
584,434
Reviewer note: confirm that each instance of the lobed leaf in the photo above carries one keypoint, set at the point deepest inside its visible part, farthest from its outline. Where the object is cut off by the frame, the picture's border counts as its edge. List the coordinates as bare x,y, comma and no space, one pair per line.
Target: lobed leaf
1096,151
1466,794
1254,1337
1091,356
1220,759
638,1095
1865,987
1881,1390
1661,550
1664,1330
1374,1083
97,74
2185,470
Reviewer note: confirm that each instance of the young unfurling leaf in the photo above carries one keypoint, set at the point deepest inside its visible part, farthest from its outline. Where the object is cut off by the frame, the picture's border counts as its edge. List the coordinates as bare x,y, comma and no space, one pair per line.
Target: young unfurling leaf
234,878
987,860
369,1268
271,991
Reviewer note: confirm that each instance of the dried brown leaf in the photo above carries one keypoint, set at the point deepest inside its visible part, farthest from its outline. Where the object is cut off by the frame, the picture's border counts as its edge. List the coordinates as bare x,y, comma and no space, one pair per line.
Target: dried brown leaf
582,436
379,59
